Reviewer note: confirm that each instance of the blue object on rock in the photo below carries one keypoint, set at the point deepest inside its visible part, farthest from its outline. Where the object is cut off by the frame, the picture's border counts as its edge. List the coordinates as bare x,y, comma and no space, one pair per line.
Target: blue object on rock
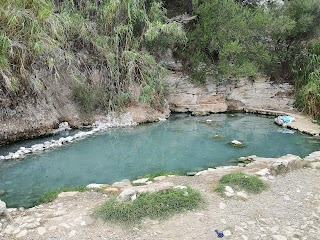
219,233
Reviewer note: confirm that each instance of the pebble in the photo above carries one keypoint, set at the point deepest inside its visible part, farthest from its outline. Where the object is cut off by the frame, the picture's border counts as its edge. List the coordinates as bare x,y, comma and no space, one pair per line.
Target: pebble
9,229
67,226
287,198
17,230
242,195
224,221
274,229
238,229
227,233
22,234
59,213
263,172
279,237
41,230
229,189
244,237
72,233
52,228
229,194
222,205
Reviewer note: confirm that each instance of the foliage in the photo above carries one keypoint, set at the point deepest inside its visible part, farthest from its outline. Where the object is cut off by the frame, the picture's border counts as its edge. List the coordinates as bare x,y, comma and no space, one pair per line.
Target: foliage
52,195
152,205
293,24
227,40
100,42
308,81
241,181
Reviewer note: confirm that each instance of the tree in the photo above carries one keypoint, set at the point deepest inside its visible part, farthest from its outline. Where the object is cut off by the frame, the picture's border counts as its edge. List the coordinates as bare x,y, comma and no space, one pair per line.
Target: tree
227,40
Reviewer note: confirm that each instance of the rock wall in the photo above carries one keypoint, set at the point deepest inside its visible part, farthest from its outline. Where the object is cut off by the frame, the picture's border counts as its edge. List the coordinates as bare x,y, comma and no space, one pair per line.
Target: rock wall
27,116
32,116
212,98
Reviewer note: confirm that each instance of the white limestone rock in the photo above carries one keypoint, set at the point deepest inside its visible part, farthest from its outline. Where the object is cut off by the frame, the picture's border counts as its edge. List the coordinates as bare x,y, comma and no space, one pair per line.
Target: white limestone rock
263,172
22,234
140,181
313,156
285,164
236,142
67,194
242,195
160,178
41,230
279,237
222,205
127,193
229,189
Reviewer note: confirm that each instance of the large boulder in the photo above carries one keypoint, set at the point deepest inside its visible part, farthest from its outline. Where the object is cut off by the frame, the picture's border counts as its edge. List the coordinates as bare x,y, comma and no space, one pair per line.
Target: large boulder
285,164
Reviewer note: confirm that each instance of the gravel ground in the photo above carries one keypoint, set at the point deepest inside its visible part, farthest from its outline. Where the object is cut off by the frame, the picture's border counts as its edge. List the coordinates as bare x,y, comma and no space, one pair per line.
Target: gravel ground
289,209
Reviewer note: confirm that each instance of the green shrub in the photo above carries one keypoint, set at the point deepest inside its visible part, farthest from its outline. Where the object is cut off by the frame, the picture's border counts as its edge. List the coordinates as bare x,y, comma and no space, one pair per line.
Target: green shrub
152,205
226,41
241,181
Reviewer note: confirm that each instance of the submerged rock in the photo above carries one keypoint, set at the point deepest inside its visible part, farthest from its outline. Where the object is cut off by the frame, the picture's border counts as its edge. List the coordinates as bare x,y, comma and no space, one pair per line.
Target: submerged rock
236,143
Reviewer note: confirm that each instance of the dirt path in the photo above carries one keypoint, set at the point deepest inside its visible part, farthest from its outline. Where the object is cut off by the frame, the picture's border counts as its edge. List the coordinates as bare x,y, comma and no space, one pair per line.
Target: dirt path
290,209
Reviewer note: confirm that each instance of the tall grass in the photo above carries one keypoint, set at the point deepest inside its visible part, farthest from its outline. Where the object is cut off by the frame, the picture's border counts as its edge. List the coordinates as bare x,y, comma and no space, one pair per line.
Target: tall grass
152,205
107,37
308,81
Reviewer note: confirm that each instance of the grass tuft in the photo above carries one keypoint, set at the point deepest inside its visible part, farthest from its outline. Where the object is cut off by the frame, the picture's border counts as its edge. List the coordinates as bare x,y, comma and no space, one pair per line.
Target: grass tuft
152,205
241,181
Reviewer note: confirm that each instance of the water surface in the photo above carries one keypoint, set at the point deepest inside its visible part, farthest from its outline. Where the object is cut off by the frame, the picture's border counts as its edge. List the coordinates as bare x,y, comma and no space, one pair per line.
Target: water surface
181,144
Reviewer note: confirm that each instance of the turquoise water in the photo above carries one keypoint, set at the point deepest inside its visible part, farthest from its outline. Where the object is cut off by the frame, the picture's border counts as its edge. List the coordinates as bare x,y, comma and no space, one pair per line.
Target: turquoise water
181,144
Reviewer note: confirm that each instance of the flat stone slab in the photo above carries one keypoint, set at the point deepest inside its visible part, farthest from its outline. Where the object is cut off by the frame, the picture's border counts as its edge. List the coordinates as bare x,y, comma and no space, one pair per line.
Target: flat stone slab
127,193
67,194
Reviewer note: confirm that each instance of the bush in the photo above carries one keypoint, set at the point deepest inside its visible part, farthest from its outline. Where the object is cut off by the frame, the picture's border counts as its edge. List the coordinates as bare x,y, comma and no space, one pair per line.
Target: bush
227,40
152,205
241,181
